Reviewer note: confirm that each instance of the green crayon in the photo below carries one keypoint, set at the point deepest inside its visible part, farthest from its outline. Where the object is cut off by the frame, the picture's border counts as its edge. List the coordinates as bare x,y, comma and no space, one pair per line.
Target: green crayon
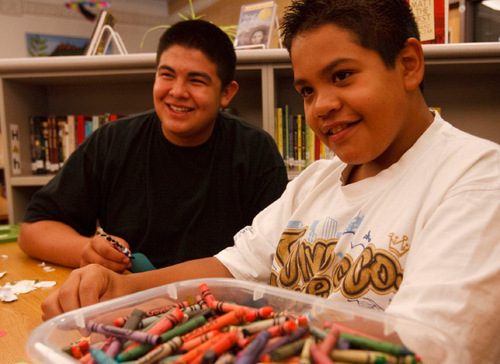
360,356
179,330
286,351
383,346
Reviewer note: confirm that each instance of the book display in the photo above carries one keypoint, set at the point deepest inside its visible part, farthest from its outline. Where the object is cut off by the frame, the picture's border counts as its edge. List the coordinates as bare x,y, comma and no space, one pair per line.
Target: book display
255,26
460,80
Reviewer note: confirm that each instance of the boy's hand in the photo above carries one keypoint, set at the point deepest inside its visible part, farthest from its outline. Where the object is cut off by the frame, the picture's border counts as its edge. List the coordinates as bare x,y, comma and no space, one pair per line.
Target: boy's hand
85,286
100,251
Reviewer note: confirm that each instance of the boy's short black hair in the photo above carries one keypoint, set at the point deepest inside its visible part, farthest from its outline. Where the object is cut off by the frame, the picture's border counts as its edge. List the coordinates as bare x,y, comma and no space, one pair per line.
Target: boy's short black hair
205,37
380,25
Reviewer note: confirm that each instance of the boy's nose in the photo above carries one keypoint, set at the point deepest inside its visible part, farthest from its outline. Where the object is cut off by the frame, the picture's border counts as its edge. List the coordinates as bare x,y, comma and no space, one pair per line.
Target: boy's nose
325,104
178,89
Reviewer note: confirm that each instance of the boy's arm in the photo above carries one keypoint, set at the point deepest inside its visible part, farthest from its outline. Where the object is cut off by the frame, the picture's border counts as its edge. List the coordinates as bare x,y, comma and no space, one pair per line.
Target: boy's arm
94,283
58,243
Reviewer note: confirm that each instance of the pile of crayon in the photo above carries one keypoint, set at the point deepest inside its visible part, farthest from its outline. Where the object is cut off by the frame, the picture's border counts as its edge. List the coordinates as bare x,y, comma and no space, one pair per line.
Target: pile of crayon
208,331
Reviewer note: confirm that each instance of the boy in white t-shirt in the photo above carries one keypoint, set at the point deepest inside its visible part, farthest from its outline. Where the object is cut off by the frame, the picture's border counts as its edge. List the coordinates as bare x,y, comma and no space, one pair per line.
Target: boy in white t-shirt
403,220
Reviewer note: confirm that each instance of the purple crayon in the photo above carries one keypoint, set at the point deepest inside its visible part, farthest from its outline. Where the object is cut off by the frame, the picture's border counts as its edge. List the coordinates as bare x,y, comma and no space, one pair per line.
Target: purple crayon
114,331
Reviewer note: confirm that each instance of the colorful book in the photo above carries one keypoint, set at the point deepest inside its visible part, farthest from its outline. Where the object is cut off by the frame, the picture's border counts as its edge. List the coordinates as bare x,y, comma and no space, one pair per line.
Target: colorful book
255,25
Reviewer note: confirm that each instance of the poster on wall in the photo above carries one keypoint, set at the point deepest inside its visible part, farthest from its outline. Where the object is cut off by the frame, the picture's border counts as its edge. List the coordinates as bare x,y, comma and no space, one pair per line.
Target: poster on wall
255,25
40,45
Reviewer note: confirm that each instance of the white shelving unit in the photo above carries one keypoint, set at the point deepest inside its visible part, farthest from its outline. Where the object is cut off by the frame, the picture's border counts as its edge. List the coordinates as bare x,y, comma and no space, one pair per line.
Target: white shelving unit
462,79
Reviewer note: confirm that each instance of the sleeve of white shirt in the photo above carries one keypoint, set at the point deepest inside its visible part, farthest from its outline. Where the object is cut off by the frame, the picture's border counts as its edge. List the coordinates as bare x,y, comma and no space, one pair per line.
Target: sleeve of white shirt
251,256
452,275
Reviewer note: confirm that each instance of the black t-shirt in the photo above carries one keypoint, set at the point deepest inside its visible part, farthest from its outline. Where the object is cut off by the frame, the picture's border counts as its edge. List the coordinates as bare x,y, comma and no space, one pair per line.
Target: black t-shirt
168,202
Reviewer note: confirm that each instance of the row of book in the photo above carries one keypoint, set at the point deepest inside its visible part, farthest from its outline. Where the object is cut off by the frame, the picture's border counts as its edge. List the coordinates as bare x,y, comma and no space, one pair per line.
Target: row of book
296,141
54,138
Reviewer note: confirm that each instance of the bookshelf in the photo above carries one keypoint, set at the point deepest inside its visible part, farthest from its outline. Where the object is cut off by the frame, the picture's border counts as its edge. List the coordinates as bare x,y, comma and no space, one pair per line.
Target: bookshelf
461,79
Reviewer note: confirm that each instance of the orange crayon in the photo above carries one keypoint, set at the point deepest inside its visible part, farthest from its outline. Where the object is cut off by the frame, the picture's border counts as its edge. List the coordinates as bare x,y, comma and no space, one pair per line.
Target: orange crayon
191,344
282,328
224,344
206,294
230,318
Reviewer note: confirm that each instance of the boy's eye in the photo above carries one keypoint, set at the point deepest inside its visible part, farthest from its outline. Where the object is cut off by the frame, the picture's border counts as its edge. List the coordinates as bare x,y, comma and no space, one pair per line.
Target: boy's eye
305,91
341,76
198,81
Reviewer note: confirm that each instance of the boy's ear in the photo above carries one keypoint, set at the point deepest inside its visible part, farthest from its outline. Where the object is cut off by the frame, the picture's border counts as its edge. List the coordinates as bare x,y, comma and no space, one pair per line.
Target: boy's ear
412,61
228,93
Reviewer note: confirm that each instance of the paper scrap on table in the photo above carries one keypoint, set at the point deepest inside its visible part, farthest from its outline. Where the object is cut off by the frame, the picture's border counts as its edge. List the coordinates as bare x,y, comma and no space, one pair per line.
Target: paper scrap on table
10,290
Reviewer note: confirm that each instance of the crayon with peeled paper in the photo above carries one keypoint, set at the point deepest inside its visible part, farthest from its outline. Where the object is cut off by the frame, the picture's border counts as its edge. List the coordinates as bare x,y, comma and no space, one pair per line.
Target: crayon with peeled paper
179,330
229,318
161,351
377,345
114,331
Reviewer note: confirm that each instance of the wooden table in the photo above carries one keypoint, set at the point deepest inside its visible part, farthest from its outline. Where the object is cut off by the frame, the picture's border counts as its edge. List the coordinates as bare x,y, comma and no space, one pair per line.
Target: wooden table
21,317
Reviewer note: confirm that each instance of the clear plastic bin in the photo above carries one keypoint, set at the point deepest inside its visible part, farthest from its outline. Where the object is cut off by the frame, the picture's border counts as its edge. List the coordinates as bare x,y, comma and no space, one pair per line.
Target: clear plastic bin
46,343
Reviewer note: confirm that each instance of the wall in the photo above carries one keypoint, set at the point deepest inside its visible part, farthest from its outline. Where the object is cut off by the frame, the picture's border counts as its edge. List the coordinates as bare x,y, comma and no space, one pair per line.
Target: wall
134,18
18,17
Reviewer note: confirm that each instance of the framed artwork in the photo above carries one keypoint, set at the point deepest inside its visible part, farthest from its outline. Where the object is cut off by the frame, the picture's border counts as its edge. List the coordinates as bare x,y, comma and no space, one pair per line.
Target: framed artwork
39,45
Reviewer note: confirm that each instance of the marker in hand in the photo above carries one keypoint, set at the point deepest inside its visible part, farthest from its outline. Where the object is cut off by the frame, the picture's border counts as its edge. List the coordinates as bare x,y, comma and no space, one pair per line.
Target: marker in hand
116,243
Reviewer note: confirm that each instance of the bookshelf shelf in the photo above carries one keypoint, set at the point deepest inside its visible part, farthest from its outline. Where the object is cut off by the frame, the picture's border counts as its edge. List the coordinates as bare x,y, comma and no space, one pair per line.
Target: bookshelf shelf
461,79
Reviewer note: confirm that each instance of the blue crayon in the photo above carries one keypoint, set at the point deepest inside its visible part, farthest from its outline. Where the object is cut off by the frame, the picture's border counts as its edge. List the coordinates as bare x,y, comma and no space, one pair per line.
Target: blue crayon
252,353
101,357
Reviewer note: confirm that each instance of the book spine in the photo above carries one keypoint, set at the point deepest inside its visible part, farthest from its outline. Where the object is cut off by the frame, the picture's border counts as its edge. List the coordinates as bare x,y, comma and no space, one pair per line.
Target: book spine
278,128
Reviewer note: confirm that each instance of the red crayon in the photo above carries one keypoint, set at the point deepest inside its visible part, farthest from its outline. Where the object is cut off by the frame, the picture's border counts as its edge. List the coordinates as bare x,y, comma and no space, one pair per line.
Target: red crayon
200,349
206,294
330,340
253,313
319,356
201,301
283,328
163,325
230,318
167,322
221,346
191,344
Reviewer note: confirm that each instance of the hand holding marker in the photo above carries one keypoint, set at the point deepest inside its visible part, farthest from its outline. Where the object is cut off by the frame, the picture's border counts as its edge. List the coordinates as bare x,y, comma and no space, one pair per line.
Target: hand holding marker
116,243
140,263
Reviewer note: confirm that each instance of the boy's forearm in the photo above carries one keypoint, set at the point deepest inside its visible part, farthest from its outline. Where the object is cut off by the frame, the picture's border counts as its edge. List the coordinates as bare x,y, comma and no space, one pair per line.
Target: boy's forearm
209,267
52,241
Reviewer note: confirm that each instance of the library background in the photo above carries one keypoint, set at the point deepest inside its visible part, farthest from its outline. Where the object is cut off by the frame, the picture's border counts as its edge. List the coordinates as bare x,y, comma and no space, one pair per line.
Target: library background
59,80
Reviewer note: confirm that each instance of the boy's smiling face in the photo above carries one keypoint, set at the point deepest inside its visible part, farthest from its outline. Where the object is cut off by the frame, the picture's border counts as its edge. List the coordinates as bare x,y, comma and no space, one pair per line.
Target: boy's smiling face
187,94
356,105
